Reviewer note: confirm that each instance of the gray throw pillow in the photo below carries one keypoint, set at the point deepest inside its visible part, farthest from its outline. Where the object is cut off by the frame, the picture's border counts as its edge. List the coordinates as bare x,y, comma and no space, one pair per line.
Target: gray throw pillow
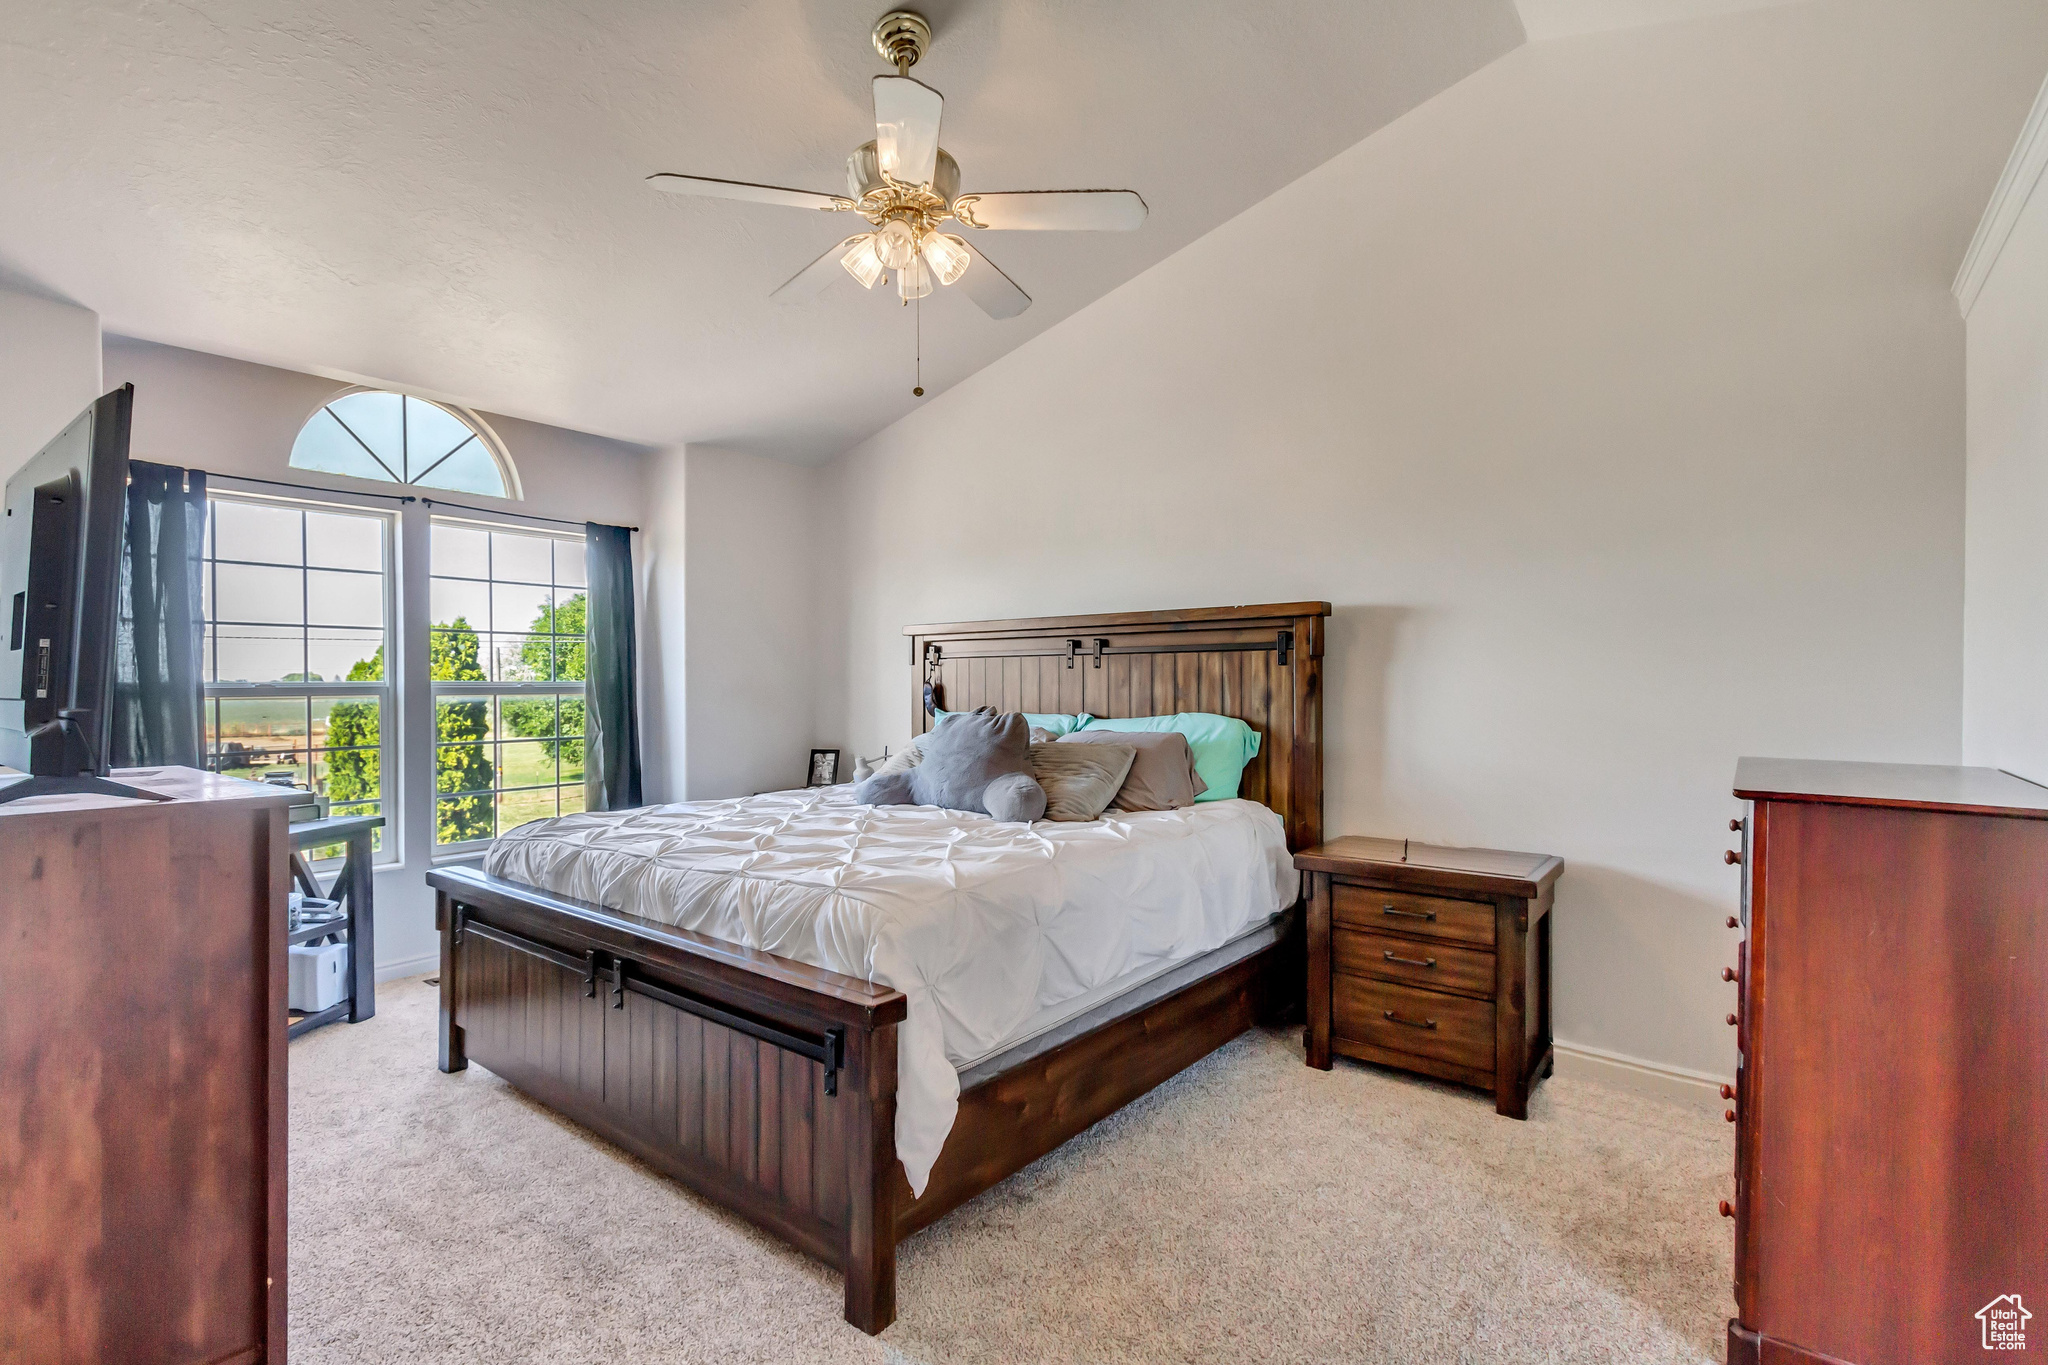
884,789
1080,779
1014,796
1163,776
966,753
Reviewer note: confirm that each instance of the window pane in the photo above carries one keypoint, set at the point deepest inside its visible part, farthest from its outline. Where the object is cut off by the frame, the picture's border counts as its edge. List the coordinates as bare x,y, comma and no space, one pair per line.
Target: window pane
462,768
336,540
521,558
344,599
469,470
243,592
260,653
572,798
346,774
572,716
348,722
521,607
526,764
526,717
460,819
324,445
431,431
517,808
462,551
264,720
453,602
571,751
253,530
376,421
569,655
569,563
337,655
210,717
455,656
519,658
461,727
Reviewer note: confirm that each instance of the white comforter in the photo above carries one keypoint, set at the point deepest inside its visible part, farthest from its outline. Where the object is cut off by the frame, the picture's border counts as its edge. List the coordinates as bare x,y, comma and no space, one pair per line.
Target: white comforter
988,928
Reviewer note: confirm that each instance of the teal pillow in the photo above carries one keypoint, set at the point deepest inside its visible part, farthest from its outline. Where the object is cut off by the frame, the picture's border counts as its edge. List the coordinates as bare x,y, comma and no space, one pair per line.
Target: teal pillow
1057,725
1222,745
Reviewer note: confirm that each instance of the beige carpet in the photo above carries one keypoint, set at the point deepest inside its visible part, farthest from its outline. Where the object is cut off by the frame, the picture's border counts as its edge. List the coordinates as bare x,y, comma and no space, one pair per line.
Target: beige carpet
1249,1210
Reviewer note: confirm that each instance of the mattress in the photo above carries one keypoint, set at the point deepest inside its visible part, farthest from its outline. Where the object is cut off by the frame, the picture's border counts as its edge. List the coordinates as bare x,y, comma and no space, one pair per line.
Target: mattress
993,931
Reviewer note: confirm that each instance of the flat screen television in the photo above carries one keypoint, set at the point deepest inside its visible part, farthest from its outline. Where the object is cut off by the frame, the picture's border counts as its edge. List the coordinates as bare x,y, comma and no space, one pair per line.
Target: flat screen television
60,572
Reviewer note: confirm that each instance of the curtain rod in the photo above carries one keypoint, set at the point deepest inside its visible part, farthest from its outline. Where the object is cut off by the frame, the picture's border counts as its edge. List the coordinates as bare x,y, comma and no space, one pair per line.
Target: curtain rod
403,498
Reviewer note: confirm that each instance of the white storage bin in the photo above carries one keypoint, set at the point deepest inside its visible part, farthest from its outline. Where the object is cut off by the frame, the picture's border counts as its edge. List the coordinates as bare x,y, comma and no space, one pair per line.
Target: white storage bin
318,977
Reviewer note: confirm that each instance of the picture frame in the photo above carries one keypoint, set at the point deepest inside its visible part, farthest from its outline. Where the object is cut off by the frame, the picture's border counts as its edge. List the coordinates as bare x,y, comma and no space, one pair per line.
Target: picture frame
824,768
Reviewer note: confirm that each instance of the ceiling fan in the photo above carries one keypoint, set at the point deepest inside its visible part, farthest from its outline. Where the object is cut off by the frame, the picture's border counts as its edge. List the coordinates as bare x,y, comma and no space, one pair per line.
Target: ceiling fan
906,186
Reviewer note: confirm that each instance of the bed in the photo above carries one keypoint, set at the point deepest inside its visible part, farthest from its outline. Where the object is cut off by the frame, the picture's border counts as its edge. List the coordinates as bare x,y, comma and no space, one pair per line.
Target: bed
707,984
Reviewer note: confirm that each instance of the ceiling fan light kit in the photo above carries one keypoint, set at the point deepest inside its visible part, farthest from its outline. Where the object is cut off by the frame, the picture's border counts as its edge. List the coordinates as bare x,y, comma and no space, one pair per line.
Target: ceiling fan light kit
907,186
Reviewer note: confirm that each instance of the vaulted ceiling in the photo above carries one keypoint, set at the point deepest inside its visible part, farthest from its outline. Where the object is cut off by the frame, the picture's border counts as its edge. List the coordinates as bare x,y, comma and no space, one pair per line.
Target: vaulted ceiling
449,196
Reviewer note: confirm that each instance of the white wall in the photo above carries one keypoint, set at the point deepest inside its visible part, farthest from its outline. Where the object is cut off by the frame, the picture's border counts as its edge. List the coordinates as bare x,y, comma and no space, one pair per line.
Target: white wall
1614,397
2005,616
49,372
229,417
733,550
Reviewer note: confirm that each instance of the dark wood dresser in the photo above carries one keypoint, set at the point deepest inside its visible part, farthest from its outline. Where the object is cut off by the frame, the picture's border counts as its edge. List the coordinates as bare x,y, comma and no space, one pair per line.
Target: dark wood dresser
1432,959
1891,1155
142,1075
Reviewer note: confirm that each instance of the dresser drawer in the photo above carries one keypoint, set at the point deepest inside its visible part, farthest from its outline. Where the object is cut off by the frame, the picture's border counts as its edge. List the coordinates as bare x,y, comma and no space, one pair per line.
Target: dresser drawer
1363,907
1450,1028
1437,966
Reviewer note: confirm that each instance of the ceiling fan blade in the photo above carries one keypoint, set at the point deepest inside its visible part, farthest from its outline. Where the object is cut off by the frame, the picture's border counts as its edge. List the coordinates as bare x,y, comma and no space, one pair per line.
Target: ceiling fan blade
1052,210
995,293
907,128
740,189
809,282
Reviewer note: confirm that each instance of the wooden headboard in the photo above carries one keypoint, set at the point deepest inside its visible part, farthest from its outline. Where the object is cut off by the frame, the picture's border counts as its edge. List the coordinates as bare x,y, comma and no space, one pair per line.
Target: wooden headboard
1261,664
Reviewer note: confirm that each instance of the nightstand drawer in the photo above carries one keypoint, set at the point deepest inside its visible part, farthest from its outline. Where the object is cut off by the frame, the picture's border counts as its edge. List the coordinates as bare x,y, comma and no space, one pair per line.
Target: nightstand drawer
1450,1028
1403,912
1437,966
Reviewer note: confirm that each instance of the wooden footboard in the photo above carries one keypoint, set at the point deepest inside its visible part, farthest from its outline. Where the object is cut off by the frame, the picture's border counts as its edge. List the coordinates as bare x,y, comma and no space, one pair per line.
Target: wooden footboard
764,1084
770,1086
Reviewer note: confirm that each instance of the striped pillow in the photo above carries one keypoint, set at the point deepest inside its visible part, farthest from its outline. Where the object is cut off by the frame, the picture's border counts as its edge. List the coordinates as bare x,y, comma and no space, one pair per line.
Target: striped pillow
1080,779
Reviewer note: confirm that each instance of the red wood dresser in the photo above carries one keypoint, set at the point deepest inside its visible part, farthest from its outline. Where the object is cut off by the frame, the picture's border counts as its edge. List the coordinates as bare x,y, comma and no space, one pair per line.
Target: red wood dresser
142,1075
1892,1101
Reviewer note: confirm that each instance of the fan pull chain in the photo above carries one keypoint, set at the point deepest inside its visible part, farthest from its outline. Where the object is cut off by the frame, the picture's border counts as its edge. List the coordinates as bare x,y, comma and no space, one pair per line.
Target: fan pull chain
918,392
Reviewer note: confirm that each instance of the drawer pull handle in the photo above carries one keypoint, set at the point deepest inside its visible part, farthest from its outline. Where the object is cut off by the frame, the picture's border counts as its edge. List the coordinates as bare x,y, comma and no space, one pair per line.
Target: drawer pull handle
1411,1023
1429,915
1409,961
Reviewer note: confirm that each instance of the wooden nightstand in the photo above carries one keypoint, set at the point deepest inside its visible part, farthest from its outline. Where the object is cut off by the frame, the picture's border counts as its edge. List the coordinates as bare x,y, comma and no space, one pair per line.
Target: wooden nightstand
1432,959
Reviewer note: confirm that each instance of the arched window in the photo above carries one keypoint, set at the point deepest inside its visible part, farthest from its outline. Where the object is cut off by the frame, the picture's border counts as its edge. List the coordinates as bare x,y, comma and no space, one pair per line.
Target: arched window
396,438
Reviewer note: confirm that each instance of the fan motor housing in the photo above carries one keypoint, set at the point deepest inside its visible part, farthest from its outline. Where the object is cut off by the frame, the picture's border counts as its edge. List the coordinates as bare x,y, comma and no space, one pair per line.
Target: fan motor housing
864,174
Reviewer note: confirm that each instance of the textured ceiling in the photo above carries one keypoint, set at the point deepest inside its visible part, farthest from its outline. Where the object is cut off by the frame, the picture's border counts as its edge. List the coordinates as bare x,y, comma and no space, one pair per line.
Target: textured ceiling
448,195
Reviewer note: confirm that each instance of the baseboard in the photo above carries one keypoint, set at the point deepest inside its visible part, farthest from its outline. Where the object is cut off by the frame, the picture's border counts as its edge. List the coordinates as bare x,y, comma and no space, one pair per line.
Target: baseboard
411,966
1579,1062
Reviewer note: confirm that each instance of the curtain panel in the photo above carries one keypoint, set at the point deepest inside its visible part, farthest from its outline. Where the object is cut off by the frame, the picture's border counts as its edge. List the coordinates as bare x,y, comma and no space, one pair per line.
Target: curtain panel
611,773
159,683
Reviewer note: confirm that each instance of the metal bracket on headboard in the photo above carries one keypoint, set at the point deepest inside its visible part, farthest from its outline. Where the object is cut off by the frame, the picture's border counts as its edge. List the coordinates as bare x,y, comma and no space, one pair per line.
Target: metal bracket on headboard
1101,646
1282,647
1073,652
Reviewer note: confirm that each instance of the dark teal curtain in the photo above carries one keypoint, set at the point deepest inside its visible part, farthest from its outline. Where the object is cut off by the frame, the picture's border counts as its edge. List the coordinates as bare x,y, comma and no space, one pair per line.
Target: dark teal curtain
611,772
159,688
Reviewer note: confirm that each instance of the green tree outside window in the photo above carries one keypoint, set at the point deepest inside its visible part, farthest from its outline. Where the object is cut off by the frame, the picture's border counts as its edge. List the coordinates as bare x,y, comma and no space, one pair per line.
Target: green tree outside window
535,719
463,725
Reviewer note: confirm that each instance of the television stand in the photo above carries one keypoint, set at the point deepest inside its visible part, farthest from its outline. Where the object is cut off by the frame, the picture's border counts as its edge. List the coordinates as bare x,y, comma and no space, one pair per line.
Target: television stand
74,786
57,763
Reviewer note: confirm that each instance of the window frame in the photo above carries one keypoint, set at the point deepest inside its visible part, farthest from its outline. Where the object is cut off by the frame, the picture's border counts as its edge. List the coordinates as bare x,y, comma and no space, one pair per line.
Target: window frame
388,693
489,690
